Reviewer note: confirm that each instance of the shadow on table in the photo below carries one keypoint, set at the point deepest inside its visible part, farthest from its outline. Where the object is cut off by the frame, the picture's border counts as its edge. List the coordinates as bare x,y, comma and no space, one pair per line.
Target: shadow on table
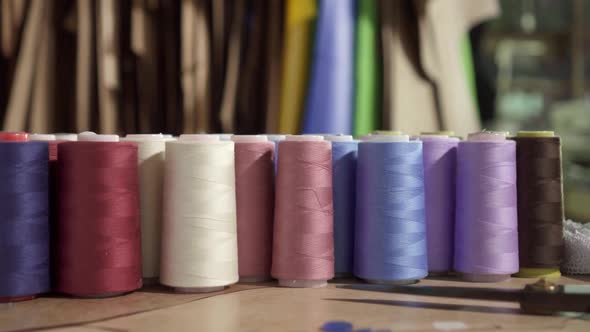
440,306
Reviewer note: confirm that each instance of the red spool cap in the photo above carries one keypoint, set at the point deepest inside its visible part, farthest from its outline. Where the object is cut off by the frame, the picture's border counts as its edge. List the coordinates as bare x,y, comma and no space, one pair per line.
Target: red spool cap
14,136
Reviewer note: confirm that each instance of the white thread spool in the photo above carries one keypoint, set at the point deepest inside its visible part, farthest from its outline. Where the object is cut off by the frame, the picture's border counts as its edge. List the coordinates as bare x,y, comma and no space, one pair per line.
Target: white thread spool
151,155
199,230
296,283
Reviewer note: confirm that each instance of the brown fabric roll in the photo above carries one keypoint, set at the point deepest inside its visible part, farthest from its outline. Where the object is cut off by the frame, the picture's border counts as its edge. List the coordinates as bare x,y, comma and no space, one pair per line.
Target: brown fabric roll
274,33
409,99
234,48
250,100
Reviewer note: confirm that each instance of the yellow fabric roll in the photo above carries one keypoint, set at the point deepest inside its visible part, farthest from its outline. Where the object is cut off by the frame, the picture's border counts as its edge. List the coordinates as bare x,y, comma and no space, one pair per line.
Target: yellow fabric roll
300,15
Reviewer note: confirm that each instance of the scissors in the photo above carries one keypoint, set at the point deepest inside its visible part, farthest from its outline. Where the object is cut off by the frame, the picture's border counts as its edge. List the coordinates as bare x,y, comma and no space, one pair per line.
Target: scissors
540,298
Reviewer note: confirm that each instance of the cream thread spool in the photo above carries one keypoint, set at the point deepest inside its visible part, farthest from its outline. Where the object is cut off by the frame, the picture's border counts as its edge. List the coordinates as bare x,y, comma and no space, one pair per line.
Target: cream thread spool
199,235
151,156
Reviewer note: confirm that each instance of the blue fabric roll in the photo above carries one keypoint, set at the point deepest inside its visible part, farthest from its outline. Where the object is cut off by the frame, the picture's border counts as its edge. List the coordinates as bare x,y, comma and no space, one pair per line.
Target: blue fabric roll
330,99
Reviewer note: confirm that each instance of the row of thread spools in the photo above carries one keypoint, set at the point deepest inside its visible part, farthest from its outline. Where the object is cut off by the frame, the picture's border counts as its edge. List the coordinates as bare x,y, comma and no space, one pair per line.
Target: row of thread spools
101,215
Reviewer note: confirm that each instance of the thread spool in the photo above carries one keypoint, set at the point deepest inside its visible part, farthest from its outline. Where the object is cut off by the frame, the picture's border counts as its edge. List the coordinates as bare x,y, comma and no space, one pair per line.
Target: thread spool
24,226
540,204
303,242
440,166
98,234
6,136
486,239
276,139
150,162
199,235
390,232
255,205
344,158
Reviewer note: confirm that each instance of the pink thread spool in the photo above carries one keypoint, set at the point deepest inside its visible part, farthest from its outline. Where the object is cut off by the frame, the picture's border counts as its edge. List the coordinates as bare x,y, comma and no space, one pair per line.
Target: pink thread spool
303,244
254,203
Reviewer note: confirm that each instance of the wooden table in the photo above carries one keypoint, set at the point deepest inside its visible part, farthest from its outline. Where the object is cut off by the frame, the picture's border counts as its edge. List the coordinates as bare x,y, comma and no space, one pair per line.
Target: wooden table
265,307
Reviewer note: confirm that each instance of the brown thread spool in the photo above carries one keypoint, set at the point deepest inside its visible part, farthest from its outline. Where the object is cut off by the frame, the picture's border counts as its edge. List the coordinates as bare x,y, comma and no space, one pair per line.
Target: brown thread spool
540,204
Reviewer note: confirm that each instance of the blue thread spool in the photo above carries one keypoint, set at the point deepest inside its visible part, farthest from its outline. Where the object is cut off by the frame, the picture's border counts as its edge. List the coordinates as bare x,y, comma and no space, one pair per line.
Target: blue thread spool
344,157
390,229
24,225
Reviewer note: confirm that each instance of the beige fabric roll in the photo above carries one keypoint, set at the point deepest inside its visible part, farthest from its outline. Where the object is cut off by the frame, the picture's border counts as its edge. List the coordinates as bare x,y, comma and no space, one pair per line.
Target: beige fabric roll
108,64
443,26
409,103
22,85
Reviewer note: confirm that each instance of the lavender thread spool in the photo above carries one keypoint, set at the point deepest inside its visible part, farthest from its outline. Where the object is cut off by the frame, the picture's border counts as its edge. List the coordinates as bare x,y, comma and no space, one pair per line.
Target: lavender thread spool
440,160
486,236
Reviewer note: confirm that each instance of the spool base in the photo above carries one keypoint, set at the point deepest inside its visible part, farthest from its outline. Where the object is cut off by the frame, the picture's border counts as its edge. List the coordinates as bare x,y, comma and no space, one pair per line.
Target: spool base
17,298
483,277
538,273
303,283
199,289
254,279
343,275
393,282
151,281
438,273
100,296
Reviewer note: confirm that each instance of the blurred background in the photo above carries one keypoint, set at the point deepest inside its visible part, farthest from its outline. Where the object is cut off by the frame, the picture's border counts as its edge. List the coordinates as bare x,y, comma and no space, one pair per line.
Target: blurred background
311,66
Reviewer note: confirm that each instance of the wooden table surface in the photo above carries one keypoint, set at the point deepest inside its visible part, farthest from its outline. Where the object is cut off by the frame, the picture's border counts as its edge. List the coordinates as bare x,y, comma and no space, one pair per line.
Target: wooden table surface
266,307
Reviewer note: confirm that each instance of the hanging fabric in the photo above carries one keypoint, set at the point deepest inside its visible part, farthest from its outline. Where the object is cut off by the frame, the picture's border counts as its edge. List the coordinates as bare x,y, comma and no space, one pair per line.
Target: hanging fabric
331,90
299,18
367,69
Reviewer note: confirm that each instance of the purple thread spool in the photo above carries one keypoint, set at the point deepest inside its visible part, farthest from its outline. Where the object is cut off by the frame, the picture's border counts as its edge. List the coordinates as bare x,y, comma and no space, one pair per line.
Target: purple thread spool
440,162
486,236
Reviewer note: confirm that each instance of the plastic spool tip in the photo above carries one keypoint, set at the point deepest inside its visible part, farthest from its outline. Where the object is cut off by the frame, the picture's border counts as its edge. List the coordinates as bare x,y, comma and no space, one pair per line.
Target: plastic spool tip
338,138
386,132
303,283
438,133
487,136
304,138
276,137
42,137
535,134
249,138
199,138
386,138
89,136
66,137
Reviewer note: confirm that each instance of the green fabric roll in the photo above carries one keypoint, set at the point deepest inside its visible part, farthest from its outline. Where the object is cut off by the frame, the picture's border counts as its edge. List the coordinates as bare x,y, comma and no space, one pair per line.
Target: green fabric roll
366,112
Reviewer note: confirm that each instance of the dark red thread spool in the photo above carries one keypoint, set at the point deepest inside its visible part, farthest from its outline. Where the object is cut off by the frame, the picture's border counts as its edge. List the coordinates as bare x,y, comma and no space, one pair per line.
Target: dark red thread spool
98,233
